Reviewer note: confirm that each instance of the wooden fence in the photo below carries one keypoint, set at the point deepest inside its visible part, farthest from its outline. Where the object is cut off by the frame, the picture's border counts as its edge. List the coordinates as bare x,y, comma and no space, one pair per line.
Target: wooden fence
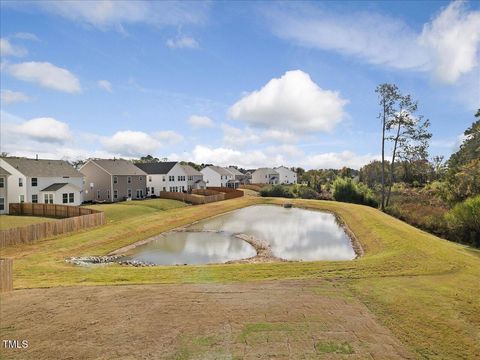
229,192
6,278
254,187
192,198
81,218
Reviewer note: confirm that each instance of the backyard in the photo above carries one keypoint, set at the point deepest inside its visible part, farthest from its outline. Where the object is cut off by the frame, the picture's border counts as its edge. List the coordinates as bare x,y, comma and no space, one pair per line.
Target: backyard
411,294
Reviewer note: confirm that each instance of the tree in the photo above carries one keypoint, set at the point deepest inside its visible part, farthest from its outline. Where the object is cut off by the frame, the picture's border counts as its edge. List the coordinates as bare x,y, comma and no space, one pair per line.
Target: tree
147,159
388,96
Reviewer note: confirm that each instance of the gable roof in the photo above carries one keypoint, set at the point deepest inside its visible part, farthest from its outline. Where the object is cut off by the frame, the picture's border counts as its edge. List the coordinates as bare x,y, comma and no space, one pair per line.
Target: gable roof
157,168
284,167
118,167
190,171
42,167
4,172
267,170
235,171
220,170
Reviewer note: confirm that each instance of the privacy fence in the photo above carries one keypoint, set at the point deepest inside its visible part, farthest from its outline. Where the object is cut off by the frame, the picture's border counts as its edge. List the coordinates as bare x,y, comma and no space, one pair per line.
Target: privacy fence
73,218
229,192
6,277
203,196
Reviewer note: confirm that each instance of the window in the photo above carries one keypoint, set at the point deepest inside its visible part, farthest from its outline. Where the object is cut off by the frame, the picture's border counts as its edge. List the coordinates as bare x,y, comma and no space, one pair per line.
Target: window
129,179
140,178
115,179
98,194
34,181
129,193
190,178
171,178
164,188
34,199
48,198
2,204
115,194
21,198
20,182
149,179
181,178
163,178
108,194
65,198
71,197
2,182
153,190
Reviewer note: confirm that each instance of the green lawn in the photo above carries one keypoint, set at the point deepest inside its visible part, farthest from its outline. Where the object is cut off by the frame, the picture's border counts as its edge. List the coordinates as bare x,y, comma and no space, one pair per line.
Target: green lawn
426,290
13,221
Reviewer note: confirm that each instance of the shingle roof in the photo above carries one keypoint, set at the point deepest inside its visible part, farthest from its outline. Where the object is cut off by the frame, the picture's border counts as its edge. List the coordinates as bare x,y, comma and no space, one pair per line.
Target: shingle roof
43,168
190,171
119,167
235,171
157,168
4,172
54,187
220,170
267,170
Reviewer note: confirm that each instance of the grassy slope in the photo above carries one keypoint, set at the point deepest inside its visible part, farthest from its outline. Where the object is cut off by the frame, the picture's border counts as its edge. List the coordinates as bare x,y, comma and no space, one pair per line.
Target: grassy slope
12,221
425,289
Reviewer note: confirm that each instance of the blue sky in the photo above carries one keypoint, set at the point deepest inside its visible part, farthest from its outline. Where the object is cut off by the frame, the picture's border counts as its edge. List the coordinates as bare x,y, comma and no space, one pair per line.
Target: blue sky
245,83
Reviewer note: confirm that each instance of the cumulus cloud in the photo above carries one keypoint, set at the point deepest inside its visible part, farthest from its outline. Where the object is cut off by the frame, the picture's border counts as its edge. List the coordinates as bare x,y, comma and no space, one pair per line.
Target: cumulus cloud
197,121
447,46
182,42
46,75
105,85
236,137
108,14
45,130
9,49
131,143
292,102
168,137
9,96
336,160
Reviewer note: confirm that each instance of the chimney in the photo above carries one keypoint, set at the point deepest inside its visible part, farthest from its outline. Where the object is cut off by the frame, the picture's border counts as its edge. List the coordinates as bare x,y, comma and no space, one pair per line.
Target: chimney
36,157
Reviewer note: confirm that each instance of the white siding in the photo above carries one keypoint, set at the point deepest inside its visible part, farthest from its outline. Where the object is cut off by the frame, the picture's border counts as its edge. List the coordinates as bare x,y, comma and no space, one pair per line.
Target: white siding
287,176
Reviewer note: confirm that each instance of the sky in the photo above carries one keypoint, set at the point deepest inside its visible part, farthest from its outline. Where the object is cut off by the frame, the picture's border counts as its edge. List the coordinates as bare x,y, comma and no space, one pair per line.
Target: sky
252,84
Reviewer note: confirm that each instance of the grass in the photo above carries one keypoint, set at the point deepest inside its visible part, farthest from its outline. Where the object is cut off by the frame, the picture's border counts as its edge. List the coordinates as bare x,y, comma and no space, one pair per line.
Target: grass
424,289
12,221
328,347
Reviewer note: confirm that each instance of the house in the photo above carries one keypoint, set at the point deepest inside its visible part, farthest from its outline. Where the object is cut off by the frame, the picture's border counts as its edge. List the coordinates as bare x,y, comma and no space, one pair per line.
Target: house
241,177
114,180
286,176
39,181
265,176
171,176
4,174
219,177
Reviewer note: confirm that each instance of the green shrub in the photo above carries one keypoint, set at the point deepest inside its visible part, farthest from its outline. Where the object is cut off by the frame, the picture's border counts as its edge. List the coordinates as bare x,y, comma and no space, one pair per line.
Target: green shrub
346,190
277,191
464,221
304,192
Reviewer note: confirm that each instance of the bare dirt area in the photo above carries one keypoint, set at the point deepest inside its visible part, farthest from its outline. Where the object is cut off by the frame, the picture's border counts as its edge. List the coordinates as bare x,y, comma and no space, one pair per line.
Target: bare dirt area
260,320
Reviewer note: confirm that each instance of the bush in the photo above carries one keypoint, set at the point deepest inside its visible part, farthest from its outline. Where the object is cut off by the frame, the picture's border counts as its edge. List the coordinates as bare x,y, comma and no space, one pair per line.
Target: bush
346,190
277,191
464,221
304,192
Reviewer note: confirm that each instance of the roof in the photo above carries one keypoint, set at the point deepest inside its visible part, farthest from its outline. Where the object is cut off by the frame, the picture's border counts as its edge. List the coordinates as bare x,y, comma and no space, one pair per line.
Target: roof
220,170
191,171
157,168
235,171
42,167
268,170
4,172
54,187
118,167
284,167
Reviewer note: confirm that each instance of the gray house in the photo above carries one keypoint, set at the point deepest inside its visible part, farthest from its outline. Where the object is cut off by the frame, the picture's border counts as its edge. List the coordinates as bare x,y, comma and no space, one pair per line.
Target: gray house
4,174
113,180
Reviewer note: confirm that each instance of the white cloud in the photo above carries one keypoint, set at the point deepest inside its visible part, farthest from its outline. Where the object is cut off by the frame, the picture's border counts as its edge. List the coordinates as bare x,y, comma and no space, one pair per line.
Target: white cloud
26,36
131,143
200,121
236,137
106,14
290,151
44,130
280,136
293,102
453,40
337,160
105,85
182,42
9,96
169,137
9,49
46,75
448,45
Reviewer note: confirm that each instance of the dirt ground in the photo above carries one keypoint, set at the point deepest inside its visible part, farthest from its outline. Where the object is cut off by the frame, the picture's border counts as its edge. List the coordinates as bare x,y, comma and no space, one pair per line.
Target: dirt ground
261,320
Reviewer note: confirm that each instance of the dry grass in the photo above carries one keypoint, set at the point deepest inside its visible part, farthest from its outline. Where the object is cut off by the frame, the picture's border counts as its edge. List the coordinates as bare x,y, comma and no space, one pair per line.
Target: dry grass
13,221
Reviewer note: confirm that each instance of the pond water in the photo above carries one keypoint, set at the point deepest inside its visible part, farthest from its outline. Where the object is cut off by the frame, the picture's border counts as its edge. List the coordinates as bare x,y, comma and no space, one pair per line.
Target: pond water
293,234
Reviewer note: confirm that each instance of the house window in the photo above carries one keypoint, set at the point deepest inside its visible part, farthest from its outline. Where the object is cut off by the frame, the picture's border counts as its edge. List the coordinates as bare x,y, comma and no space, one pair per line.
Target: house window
129,193
140,178
153,190
129,179
2,204
115,179
163,178
98,194
65,198
108,194
34,181
164,188
115,194
71,197
20,182
34,199
190,178
2,182
171,178
149,179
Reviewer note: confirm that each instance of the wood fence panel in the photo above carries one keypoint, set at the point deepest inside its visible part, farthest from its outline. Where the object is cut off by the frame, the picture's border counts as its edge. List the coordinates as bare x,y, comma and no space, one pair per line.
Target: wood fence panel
6,275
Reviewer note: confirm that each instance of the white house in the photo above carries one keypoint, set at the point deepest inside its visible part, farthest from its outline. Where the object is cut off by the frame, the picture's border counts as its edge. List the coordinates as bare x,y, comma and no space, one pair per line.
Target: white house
40,181
4,174
265,176
286,176
171,176
219,177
